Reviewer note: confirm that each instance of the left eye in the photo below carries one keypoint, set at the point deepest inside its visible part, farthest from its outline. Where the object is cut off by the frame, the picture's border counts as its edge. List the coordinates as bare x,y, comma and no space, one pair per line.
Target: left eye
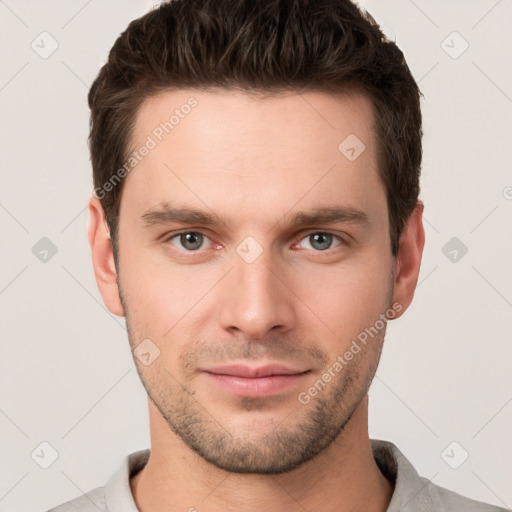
321,241
190,241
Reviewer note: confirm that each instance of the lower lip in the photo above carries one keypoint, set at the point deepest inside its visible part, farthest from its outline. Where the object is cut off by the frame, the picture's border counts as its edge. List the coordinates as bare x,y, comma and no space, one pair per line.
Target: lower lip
256,386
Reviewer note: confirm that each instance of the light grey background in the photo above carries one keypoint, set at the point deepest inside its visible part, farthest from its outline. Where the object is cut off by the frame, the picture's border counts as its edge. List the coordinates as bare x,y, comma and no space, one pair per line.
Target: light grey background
66,374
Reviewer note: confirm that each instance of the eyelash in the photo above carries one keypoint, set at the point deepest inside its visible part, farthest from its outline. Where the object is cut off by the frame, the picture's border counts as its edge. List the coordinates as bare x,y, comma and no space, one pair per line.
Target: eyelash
343,241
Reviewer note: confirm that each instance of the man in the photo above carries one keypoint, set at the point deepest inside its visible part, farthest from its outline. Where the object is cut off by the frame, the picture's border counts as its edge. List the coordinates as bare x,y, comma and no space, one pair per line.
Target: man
256,220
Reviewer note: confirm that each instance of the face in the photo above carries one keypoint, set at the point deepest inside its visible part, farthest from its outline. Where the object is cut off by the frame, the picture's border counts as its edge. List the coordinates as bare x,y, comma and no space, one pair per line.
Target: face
253,254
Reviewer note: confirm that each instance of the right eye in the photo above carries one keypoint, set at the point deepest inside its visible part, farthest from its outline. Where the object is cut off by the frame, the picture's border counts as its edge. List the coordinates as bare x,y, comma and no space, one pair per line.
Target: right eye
189,240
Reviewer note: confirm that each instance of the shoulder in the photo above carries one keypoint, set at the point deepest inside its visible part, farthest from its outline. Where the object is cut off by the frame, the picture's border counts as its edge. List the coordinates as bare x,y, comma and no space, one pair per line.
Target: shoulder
414,493
93,501
446,500
115,495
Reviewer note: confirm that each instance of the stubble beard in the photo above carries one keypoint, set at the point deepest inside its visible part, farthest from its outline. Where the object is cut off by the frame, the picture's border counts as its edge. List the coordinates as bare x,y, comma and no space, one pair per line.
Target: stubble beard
287,442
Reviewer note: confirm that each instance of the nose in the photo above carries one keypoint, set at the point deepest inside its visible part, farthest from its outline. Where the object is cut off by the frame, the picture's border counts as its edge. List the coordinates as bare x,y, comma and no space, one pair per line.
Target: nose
257,299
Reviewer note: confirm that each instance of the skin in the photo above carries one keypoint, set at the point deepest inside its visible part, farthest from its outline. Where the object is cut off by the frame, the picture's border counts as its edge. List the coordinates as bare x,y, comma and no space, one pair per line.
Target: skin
255,162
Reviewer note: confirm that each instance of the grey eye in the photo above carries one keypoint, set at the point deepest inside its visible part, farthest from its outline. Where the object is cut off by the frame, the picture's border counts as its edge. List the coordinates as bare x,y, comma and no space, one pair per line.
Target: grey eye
320,241
191,241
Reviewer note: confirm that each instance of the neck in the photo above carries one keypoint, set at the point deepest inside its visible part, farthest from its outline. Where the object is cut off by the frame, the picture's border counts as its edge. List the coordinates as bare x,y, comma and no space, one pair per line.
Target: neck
343,477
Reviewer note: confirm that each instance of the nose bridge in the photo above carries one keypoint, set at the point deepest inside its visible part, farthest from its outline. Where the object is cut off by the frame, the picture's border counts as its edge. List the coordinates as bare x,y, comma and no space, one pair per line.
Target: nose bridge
256,300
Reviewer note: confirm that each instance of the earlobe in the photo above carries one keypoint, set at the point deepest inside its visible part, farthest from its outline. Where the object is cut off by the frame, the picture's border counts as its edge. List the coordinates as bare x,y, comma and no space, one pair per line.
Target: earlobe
408,260
103,257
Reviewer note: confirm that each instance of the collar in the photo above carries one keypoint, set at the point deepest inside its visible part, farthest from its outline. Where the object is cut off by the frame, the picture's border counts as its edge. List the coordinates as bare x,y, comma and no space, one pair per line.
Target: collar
410,491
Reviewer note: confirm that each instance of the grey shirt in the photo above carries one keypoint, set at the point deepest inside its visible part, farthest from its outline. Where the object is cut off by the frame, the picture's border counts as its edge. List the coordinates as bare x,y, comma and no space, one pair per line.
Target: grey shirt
412,492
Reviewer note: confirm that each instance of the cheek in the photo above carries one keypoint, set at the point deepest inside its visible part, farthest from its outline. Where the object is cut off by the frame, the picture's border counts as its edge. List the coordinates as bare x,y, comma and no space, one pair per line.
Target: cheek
346,299
164,299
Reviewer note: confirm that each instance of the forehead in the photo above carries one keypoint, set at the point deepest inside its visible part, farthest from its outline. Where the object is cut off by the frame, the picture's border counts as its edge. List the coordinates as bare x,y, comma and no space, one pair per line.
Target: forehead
260,152
234,116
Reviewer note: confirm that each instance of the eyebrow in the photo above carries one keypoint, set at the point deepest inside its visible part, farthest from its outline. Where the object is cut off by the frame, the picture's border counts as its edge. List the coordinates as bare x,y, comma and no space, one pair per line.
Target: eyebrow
326,215
167,214
330,215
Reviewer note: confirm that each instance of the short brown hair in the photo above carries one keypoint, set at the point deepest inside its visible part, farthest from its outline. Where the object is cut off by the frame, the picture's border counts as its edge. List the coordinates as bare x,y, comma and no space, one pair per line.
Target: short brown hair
267,46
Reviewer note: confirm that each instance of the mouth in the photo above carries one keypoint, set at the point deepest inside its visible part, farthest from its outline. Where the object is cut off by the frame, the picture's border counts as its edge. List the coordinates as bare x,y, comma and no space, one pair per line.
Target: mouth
262,381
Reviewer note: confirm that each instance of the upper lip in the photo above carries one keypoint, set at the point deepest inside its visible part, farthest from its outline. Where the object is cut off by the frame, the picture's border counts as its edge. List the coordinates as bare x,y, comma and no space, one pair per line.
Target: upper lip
238,370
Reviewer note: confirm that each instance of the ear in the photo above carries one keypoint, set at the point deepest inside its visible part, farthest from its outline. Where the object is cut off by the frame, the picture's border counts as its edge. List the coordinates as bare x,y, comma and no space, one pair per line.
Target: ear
103,257
408,260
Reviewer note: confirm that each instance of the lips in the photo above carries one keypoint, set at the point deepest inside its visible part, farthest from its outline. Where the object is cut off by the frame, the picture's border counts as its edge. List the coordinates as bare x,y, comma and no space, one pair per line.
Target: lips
248,372
256,382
